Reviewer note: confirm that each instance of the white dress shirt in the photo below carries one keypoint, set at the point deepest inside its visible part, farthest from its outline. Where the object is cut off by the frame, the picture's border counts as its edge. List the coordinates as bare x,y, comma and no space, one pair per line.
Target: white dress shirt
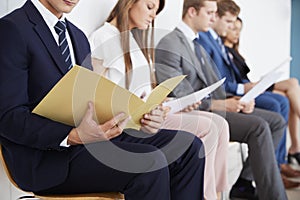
189,34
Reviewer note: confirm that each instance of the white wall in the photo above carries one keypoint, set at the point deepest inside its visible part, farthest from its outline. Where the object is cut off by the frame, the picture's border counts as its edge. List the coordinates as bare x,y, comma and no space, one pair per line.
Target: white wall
90,14
7,6
265,38
3,7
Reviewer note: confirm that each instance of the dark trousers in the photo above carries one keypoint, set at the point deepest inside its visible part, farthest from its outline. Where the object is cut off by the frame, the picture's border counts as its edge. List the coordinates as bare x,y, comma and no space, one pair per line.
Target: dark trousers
280,104
261,131
167,165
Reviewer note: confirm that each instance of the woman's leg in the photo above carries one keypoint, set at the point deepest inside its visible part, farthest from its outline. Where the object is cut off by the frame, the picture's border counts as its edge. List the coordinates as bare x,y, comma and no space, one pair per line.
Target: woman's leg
221,158
214,132
291,89
294,130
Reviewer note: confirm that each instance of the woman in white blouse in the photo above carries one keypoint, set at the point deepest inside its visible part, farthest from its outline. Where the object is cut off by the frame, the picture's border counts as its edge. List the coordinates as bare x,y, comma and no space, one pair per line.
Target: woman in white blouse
120,48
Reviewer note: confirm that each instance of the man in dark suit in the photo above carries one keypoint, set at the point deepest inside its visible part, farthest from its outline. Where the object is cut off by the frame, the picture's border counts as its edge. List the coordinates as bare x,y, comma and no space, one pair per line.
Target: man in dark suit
48,157
260,130
226,15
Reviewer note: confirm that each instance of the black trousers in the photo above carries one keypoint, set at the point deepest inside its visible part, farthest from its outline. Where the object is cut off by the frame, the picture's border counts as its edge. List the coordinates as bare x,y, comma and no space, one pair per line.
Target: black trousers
167,165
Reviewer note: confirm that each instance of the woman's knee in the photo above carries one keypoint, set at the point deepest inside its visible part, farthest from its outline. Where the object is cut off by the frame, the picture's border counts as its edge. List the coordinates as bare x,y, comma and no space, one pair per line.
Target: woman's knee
293,82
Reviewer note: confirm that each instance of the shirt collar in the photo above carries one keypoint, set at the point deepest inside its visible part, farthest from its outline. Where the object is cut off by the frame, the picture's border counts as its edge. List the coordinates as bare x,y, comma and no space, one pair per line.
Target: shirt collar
49,17
213,34
187,31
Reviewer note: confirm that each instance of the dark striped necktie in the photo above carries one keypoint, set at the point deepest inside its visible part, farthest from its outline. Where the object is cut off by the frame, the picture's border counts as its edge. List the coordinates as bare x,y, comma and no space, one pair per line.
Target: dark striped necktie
223,50
60,28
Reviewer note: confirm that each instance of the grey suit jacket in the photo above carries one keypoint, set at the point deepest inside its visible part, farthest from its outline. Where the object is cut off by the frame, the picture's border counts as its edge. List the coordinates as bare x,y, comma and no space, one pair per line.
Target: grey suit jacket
174,56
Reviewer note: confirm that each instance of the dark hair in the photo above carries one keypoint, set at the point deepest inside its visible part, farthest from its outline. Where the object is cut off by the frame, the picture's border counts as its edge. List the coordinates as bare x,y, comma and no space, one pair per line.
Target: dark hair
236,45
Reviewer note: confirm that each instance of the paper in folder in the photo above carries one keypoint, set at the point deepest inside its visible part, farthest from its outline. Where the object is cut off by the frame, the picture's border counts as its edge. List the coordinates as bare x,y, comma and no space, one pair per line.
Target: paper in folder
68,100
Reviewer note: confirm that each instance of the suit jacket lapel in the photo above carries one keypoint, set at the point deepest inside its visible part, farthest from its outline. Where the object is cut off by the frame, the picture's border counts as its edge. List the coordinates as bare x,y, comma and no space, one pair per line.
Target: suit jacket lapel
196,63
75,43
45,35
82,57
232,68
215,45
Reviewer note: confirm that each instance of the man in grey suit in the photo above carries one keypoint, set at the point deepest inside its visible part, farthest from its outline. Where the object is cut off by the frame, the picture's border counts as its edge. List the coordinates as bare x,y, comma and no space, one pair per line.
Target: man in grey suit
177,53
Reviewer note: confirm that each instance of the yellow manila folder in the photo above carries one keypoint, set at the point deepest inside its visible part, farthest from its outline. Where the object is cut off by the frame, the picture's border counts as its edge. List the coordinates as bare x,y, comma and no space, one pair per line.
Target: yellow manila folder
67,101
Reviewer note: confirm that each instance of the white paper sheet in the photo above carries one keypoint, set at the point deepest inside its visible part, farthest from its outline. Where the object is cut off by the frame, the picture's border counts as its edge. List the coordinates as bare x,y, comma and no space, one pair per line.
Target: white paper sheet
179,104
279,67
266,81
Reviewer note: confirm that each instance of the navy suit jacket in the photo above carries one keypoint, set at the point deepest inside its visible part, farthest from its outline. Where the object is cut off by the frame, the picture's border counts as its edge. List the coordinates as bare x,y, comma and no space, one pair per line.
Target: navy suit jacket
229,71
30,65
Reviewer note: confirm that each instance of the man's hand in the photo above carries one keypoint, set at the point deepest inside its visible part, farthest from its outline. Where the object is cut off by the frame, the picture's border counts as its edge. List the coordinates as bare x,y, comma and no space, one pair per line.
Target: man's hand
248,107
233,105
90,131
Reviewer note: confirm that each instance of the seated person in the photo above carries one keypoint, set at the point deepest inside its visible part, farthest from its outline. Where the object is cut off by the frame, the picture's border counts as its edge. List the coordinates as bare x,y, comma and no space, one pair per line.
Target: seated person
211,41
179,54
135,69
290,88
38,46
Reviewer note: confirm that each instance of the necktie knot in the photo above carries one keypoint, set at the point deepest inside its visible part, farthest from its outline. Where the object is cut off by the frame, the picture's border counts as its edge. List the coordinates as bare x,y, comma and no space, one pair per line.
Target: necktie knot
60,27
219,41
195,41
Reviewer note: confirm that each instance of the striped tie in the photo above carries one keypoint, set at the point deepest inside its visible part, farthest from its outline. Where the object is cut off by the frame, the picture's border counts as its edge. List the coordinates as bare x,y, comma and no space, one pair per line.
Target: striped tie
224,52
60,28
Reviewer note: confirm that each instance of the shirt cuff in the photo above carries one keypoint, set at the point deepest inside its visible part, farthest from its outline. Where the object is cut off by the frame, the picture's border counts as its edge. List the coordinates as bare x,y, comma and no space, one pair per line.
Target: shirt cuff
64,143
240,89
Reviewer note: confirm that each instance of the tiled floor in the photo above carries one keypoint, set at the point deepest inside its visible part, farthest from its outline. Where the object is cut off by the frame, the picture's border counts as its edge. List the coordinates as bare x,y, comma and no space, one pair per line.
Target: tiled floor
9,192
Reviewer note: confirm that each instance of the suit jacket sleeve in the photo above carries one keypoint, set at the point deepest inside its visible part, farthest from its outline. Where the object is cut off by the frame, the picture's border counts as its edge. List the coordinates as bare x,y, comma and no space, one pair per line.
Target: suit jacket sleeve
169,64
